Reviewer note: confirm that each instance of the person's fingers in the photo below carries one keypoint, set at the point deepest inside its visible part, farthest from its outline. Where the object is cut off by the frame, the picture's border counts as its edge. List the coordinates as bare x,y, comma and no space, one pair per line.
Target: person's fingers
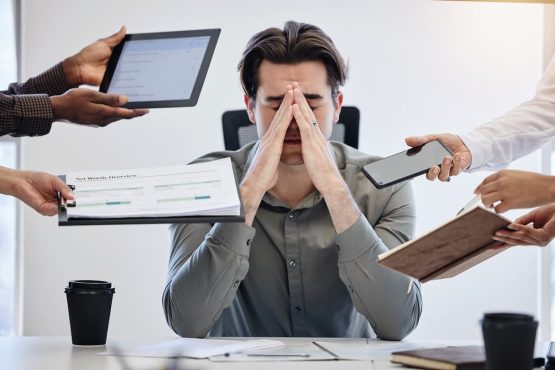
502,207
140,112
534,235
489,188
284,124
109,99
457,165
111,113
524,219
419,140
525,236
510,241
485,182
433,173
445,169
303,105
48,209
59,186
517,227
279,117
285,112
285,118
490,199
304,125
308,114
116,38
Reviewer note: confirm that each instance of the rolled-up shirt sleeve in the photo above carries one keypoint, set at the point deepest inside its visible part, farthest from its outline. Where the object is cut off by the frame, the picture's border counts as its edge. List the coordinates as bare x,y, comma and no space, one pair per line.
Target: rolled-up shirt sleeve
389,300
207,265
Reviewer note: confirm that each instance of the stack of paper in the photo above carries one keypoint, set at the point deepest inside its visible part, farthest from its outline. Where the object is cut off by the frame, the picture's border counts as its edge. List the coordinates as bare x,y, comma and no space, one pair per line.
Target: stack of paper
203,189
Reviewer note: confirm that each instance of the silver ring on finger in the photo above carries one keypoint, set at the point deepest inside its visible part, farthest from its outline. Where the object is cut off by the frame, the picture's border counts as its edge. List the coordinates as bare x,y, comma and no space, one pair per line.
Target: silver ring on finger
314,123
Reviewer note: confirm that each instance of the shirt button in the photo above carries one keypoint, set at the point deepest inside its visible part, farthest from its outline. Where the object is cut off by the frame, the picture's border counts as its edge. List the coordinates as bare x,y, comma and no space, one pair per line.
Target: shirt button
249,242
292,215
236,283
292,263
297,309
350,288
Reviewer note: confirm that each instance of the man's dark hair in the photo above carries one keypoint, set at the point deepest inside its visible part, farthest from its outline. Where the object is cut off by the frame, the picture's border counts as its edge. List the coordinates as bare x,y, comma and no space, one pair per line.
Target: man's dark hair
296,43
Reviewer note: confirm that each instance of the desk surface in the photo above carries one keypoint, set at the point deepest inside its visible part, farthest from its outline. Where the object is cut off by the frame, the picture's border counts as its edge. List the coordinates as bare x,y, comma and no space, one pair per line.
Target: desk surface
57,353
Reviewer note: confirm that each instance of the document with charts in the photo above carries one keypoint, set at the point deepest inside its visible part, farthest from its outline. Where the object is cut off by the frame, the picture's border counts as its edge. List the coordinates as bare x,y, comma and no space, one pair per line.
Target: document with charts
202,189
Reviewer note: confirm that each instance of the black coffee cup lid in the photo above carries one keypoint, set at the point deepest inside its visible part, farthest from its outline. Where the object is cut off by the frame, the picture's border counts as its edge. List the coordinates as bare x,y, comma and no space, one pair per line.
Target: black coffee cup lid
89,285
508,316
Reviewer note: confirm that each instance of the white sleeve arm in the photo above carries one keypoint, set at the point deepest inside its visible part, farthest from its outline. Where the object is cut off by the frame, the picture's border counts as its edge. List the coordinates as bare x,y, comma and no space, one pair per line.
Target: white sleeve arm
517,133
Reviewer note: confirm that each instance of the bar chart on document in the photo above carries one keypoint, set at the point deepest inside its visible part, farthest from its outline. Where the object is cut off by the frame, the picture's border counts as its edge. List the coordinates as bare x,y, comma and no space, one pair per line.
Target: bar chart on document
207,189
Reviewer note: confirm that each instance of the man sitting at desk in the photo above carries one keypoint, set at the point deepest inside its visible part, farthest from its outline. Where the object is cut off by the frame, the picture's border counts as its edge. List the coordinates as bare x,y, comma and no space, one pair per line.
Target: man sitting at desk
304,261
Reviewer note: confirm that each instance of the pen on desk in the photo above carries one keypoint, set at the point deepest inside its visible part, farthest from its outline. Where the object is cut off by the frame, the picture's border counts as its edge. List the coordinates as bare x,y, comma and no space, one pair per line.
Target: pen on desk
325,350
278,354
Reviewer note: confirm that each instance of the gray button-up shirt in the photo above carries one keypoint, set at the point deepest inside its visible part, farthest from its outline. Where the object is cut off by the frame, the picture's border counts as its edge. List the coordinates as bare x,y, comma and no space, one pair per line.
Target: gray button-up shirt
290,274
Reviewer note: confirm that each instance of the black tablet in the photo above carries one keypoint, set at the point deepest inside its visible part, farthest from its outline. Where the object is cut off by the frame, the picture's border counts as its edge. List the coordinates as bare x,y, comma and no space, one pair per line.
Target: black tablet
159,70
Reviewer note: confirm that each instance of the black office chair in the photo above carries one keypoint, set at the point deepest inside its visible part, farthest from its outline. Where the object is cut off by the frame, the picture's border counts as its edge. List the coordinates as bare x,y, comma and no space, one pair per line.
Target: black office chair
239,131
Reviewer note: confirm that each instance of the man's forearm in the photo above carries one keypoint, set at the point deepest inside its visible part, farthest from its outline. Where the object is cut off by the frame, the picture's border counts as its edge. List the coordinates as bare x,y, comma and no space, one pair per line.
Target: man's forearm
206,282
389,300
8,180
343,209
251,198
4,180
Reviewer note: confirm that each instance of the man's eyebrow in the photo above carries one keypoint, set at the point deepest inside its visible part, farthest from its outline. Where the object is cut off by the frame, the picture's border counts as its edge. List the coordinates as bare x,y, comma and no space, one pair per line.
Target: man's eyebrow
278,98
274,98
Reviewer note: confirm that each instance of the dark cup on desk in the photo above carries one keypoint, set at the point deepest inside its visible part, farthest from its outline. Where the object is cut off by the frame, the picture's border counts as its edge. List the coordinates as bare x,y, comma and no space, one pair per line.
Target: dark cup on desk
89,303
509,340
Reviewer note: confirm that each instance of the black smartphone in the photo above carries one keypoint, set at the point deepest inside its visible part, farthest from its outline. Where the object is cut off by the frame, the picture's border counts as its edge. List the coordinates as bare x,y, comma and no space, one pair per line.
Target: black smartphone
406,165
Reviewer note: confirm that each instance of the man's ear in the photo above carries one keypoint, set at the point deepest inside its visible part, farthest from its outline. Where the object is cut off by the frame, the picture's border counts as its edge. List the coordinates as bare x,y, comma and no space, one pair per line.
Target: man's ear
249,104
338,105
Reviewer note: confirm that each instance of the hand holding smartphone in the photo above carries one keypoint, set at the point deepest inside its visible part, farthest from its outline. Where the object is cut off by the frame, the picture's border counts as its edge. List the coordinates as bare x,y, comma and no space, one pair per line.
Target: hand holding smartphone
406,165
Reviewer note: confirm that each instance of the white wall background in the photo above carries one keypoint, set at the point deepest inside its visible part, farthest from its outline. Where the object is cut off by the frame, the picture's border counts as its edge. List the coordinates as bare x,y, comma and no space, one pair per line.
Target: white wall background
417,66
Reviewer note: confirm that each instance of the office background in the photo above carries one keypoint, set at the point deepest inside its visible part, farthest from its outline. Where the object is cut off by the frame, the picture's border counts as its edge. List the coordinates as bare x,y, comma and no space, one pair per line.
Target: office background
417,66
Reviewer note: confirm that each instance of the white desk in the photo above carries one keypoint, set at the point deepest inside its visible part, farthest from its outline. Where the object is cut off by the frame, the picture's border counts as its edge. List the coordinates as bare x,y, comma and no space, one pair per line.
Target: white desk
57,353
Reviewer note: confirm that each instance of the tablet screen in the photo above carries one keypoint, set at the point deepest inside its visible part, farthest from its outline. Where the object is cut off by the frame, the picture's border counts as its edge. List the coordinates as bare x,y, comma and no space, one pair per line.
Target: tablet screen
160,70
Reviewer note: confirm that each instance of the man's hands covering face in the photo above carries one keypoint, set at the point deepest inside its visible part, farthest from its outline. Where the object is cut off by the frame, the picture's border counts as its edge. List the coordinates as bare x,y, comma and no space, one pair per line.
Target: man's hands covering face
262,174
320,163
318,159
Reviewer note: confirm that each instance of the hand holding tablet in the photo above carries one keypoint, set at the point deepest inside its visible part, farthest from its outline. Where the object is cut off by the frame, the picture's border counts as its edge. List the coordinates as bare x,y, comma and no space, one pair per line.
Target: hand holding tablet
156,70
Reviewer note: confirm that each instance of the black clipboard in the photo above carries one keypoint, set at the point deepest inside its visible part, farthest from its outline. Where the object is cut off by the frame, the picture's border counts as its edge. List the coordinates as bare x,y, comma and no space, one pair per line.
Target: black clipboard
63,220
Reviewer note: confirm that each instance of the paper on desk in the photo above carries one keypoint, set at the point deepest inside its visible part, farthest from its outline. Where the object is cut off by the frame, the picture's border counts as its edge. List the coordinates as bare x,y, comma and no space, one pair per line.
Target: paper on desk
366,349
194,348
288,352
342,349
202,189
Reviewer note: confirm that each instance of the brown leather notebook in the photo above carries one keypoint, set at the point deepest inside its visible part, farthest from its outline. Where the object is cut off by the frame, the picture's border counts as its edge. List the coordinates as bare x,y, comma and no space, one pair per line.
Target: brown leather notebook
446,358
450,249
